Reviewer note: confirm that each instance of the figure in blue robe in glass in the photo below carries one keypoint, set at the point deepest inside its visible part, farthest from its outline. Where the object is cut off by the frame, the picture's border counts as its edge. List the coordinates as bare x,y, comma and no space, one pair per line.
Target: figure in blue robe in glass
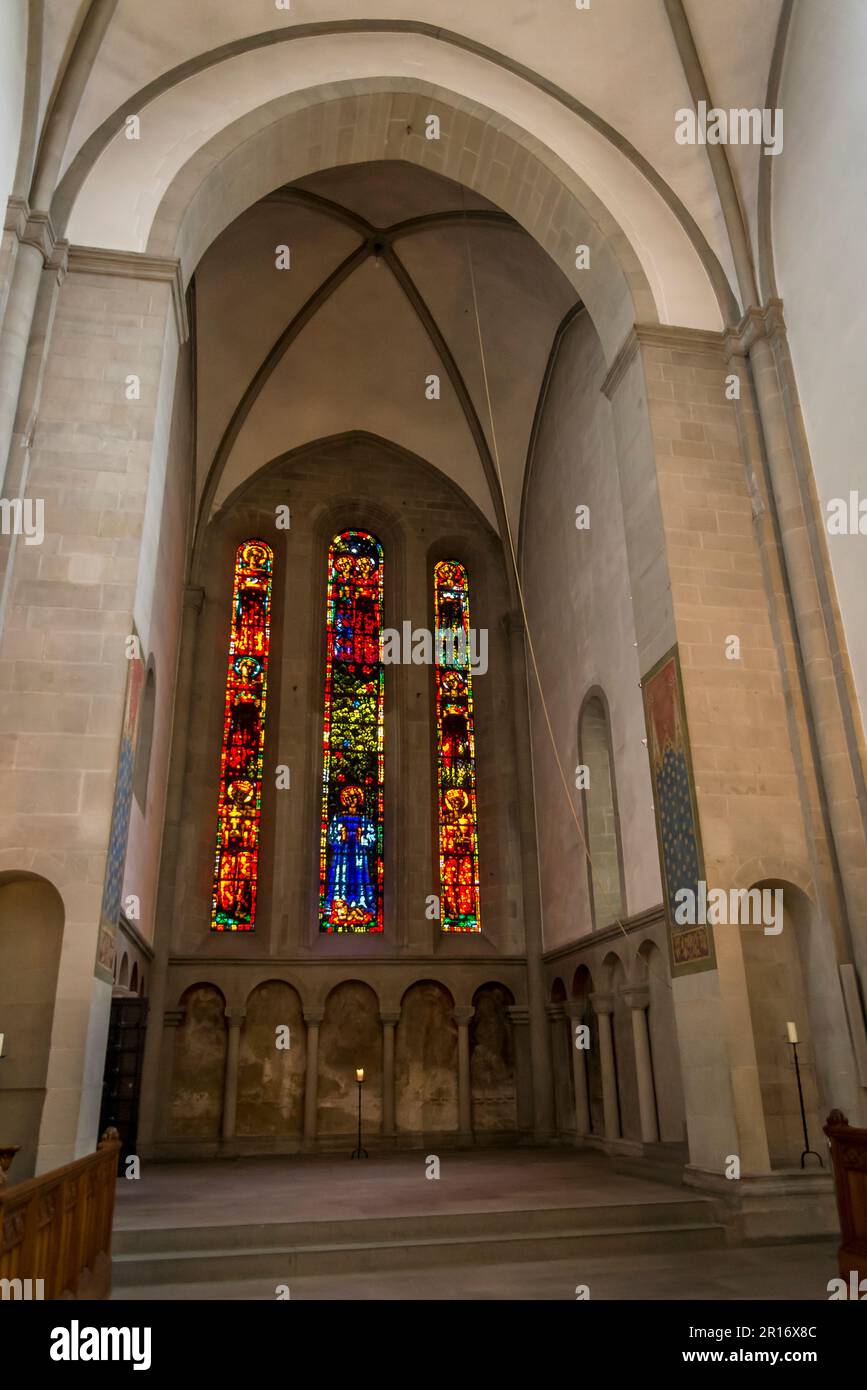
350,897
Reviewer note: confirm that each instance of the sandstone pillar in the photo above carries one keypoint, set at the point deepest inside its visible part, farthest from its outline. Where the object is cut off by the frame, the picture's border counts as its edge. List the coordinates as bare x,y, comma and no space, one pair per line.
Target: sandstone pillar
603,1005
638,1001
697,581
313,1018
463,1016
154,1072
520,1016
575,1010
230,1083
556,1015
540,1042
388,1021
160,1119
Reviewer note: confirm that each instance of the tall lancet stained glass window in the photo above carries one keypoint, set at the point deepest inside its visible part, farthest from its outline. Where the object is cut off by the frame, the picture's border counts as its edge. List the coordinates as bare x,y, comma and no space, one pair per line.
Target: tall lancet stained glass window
456,752
350,855
240,797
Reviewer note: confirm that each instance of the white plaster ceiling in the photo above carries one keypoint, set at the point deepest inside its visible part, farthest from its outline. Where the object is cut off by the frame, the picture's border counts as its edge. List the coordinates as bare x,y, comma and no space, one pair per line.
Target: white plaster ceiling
735,42
617,58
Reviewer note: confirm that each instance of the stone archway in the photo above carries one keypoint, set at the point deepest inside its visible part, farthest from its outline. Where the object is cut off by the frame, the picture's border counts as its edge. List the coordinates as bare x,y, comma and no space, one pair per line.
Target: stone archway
31,934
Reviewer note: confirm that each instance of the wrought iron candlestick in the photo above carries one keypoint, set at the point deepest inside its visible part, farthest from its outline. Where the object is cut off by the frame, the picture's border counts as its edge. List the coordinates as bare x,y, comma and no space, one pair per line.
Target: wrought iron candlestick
793,1043
359,1151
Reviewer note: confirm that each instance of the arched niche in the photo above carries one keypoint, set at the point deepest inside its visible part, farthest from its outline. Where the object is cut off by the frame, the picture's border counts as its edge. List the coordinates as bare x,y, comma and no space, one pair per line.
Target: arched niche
271,1063
31,936
426,1061
350,1036
777,996
492,1060
198,1073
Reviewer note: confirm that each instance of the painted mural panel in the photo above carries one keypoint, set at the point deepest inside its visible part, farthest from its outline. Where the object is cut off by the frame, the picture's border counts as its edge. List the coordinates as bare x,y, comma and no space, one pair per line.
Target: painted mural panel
677,825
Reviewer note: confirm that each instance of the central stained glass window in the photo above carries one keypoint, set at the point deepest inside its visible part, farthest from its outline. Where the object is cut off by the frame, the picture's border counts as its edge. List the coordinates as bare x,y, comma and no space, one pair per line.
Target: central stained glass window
350,847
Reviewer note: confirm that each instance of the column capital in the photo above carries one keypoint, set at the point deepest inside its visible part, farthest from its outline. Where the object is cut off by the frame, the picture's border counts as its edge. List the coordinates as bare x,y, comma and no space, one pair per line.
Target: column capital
173,1018
313,1017
463,1014
136,265
194,597
33,228
519,1014
638,997
757,323
602,1003
555,1010
513,622
660,335
389,1017
575,1009
235,1016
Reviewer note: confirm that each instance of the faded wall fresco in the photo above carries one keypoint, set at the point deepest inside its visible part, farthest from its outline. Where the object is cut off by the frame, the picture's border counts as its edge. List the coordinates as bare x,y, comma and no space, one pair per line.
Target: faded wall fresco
492,1061
426,1061
199,1065
271,1079
350,1037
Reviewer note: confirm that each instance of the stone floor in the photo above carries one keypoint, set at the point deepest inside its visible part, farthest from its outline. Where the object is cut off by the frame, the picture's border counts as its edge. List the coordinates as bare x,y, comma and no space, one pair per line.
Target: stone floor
310,1189
230,1191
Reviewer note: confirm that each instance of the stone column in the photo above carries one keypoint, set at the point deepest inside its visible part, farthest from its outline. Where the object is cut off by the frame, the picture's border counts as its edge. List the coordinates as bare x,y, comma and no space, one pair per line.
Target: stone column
36,240
575,1010
313,1018
463,1016
827,670
539,1037
603,1006
18,465
153,1067
230,1085
673,547
520,1016
160,1116
388,1021
556,1015
638,1001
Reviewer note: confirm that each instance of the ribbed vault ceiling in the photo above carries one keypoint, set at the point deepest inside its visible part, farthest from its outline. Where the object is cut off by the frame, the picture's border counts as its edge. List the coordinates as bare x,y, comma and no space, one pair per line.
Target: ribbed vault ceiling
396,274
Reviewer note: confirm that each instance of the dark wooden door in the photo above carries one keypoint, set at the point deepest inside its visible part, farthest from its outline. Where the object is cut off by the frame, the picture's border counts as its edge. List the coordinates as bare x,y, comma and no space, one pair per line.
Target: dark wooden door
123,1062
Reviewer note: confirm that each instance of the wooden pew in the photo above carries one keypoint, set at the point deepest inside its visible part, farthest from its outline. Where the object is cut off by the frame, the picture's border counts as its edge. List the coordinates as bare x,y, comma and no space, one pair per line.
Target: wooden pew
57,1228
849,1157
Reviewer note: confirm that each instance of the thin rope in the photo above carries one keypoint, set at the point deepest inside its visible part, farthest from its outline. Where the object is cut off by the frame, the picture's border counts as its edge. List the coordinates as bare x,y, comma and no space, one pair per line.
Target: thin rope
520,589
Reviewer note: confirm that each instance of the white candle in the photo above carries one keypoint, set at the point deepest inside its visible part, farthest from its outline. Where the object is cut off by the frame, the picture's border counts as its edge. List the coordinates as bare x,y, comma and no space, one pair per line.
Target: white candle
793,1032
2,1036
359,1073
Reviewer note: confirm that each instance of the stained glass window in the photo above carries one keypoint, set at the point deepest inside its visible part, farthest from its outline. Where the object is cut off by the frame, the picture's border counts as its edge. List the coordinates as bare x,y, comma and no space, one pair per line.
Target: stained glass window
350,855
456,754
240,798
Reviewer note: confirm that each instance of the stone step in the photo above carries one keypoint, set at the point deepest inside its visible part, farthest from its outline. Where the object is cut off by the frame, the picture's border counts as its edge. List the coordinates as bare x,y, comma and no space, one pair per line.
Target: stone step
282,1262
423,1225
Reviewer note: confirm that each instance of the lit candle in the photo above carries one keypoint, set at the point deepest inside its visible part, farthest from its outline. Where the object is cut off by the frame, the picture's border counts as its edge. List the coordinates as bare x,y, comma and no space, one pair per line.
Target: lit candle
359,1073
793,1032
